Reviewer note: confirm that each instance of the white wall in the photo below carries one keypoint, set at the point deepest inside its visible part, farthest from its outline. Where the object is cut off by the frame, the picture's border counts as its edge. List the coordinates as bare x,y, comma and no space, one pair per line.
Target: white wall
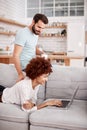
13,9
76,38
86,14
76,42
7,40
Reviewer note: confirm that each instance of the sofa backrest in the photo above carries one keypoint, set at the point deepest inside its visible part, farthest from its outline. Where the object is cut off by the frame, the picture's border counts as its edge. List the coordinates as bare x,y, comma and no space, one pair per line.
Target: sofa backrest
63,80
8,75
61,83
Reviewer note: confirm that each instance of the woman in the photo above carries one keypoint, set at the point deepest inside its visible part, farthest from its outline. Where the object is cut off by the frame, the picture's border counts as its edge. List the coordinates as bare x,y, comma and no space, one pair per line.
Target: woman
24,92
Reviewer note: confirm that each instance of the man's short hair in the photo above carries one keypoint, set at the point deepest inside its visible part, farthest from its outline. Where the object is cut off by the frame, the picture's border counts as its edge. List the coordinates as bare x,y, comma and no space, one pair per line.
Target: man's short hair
41,17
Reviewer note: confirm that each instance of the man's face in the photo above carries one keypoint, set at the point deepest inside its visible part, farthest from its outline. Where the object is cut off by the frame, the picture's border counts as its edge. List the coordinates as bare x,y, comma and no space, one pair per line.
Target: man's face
38,27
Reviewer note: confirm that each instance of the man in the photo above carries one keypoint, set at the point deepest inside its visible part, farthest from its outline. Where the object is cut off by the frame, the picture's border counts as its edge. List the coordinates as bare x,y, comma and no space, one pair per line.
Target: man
26,43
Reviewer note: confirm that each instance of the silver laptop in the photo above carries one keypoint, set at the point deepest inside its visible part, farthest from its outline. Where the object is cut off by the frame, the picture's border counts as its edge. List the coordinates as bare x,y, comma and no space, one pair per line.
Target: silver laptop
67,103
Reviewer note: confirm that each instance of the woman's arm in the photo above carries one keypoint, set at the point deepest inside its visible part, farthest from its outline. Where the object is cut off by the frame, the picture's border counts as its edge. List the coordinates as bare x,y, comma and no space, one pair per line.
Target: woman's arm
29,106
50,103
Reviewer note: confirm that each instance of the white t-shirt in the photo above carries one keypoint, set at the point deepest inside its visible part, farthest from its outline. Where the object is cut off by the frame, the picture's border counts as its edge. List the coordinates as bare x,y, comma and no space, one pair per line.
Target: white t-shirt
20,93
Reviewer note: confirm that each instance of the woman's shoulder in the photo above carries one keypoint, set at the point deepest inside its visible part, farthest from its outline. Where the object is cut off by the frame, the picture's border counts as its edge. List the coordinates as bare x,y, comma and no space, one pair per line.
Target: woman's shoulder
23,83
26,79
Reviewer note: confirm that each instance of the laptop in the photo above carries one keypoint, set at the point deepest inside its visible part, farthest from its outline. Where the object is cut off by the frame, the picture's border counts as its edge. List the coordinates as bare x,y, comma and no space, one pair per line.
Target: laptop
67,103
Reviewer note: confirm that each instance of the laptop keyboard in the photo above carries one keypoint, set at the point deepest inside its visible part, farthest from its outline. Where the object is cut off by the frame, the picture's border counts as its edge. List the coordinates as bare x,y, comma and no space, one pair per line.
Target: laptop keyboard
65,103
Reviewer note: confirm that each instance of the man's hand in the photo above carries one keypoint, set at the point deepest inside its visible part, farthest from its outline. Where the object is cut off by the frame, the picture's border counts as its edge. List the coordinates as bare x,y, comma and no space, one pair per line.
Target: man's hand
44,55
20,77
39,51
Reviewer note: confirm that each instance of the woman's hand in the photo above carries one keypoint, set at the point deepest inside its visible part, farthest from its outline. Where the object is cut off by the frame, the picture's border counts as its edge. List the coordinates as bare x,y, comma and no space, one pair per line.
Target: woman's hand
54,102
28,105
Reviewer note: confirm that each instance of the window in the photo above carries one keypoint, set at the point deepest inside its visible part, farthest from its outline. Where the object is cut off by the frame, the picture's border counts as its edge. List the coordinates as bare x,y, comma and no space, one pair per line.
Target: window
61,8
47,7
77,8
55,8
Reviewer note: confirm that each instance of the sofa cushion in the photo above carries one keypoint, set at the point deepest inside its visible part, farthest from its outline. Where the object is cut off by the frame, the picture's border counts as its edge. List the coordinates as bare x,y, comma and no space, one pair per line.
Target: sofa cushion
62,82
13,113
41,94
82,92
42,128
9,125
8,75
75,118
78,74
58,83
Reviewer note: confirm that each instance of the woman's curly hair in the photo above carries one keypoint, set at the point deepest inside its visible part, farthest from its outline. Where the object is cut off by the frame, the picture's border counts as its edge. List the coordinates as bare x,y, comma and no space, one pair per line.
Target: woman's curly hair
37,67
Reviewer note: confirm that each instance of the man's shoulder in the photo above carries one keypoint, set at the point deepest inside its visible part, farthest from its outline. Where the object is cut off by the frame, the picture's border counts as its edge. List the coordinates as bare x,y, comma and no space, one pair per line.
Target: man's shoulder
23,30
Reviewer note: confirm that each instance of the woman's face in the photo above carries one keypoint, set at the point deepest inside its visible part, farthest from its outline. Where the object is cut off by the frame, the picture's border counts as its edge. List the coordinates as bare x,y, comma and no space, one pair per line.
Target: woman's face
42,79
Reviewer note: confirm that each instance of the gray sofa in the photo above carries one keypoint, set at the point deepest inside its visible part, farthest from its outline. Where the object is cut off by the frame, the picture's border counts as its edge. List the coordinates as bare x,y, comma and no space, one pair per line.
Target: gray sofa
61,84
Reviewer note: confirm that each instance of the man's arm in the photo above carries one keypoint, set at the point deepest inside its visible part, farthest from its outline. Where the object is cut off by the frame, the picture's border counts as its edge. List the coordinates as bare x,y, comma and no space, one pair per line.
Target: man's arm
39,51
16,55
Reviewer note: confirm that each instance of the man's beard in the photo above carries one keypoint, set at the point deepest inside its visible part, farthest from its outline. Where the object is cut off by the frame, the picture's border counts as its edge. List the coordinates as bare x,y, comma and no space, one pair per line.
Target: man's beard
34,30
